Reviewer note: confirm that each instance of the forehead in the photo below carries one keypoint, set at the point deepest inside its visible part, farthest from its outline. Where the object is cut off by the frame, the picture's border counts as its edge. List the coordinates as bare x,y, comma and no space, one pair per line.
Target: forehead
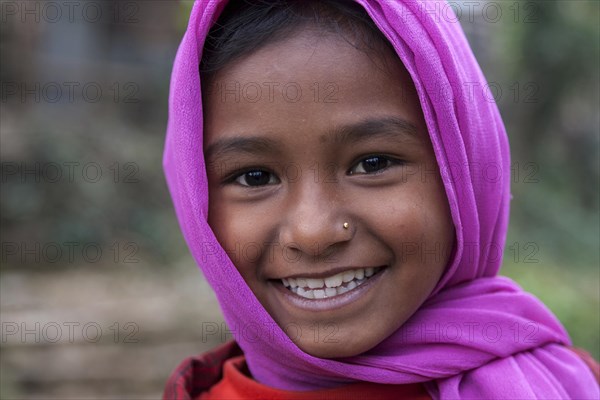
309,81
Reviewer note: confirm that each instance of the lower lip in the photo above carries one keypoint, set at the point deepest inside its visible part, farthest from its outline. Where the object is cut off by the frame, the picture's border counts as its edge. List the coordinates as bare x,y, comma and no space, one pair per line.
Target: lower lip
330,303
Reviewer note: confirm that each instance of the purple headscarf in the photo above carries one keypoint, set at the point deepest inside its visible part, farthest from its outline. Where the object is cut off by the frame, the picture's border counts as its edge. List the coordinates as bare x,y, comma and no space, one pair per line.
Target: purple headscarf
478,335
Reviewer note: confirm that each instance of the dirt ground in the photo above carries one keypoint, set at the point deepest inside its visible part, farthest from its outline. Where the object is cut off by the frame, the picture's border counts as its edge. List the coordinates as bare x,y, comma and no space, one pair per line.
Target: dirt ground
102,333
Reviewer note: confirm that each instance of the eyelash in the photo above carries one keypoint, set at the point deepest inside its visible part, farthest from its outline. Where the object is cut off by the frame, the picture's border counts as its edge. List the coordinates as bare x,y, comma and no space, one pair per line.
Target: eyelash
237,177
390,161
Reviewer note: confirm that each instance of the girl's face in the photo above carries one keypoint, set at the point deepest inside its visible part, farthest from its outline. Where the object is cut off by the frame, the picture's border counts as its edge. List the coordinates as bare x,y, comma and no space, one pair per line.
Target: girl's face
305,136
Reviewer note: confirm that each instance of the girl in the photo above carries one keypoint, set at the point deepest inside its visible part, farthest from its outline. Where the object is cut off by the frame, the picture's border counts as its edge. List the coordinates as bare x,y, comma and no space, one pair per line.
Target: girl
327,169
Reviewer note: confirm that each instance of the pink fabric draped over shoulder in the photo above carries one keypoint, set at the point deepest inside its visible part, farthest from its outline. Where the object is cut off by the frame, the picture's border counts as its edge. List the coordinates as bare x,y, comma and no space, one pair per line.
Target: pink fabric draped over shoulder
478,335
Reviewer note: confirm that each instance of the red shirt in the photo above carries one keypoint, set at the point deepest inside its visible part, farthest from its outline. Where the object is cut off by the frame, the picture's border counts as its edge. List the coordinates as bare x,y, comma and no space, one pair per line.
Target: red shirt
237,384
222,374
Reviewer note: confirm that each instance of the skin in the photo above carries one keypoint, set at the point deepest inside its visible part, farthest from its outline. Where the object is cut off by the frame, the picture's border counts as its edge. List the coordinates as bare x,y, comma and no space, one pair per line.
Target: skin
285,218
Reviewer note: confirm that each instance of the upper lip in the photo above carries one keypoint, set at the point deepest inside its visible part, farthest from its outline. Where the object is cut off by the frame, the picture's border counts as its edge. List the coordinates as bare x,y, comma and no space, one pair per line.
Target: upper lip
329,272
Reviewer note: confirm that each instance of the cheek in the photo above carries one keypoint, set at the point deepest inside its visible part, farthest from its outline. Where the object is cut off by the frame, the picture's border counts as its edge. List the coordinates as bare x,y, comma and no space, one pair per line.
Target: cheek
440,220
438,231
414,220
398,213
227,225
241,232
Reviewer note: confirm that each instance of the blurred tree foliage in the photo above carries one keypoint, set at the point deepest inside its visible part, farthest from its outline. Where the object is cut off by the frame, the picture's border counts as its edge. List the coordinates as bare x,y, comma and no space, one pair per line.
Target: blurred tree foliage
550,63
552,119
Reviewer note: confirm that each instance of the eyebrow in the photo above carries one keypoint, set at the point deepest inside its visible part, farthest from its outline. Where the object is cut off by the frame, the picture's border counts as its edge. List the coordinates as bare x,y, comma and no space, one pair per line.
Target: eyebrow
387,127
249,145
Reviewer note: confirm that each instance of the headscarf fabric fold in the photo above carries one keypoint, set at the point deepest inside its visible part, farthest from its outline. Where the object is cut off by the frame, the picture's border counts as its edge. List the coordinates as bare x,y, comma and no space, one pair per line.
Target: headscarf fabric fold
478,335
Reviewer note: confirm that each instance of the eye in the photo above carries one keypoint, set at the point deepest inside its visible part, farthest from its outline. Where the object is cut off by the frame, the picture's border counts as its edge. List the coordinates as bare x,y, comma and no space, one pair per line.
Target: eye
371,164
256,178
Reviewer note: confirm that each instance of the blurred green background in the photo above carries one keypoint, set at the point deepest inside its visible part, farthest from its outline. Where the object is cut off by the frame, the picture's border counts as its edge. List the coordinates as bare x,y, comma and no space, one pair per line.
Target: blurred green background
540,57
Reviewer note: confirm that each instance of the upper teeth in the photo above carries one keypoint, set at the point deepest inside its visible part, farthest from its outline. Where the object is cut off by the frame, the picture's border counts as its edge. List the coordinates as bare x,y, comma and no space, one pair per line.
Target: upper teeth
331,281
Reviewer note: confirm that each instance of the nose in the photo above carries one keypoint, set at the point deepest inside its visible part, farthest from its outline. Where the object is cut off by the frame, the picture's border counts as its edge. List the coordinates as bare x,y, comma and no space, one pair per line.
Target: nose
315,221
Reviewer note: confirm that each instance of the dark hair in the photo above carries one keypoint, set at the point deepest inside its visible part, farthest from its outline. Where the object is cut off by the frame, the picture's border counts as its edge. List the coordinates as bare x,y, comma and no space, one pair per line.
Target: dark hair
245,26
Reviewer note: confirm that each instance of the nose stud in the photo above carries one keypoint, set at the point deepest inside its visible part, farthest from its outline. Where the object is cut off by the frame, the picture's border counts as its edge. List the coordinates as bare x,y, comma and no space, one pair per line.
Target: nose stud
346,225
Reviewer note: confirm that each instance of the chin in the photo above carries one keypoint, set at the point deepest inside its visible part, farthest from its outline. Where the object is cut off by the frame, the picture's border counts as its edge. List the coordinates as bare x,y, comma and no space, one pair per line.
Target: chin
334,347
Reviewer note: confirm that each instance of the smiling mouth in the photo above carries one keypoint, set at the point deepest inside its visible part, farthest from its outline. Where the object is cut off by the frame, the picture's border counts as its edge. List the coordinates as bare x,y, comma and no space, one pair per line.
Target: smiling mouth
335,285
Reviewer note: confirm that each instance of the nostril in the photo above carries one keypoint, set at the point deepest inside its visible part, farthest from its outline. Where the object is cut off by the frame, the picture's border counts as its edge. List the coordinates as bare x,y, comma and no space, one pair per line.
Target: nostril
311,233
314,252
